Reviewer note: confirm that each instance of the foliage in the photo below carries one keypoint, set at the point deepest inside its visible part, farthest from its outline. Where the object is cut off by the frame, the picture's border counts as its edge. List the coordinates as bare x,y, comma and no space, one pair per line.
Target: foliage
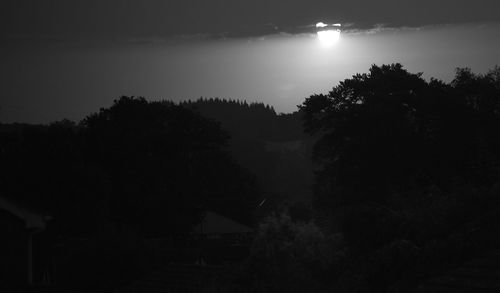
255,121
166,164
43,167
389,130
152,164
408,175
292,257
272,146
406,166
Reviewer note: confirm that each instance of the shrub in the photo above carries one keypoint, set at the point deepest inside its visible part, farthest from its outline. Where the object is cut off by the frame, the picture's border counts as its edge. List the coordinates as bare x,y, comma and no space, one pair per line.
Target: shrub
288,256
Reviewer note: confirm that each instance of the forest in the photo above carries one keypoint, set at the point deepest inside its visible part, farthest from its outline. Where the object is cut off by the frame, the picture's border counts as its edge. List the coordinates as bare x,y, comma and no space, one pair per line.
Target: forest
380,185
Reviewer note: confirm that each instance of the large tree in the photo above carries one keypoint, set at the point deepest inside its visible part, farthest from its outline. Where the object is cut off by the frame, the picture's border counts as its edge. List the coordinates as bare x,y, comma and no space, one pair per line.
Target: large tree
390,130
166,164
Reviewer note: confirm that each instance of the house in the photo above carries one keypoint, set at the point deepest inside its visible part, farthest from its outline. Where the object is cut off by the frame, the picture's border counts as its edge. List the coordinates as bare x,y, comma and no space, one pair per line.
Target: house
223,240
216,226
19,226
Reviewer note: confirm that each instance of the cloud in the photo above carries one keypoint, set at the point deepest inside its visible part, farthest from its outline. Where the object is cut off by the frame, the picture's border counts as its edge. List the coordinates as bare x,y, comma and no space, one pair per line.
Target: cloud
138,19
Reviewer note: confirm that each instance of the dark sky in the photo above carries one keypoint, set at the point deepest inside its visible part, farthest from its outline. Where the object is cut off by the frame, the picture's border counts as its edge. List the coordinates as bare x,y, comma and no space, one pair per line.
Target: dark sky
68,58
163,18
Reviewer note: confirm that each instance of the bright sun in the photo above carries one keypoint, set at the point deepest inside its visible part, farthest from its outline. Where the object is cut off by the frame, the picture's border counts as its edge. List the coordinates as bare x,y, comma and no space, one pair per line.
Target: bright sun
327,37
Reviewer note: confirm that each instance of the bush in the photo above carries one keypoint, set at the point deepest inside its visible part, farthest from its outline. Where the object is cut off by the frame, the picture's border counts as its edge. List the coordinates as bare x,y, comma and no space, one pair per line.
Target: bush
290,257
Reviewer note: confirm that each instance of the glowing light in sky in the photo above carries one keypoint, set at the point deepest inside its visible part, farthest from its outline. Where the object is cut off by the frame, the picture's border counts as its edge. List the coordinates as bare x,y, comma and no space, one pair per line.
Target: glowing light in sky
328,37
280,70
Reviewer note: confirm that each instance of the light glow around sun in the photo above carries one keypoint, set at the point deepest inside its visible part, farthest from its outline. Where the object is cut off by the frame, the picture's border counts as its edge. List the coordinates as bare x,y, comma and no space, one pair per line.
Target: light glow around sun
328,37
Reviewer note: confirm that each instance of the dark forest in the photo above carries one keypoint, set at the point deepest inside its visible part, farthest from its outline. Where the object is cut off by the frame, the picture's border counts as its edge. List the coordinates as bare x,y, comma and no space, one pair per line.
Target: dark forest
388,183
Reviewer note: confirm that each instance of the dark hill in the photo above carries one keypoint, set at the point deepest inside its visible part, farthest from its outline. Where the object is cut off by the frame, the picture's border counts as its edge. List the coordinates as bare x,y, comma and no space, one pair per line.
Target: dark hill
273,146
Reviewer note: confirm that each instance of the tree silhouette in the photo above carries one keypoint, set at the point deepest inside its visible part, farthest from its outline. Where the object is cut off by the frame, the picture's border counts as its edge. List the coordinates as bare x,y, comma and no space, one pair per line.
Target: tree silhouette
152,164
367,131
390,130
405,167
166,164
43,167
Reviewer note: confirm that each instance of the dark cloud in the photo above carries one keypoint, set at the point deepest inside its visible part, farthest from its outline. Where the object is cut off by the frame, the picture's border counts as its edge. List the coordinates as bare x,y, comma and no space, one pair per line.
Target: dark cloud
223,18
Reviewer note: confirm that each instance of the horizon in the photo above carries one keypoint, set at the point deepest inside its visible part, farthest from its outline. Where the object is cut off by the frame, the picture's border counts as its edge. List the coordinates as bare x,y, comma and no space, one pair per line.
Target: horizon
329,145
67,59
46,78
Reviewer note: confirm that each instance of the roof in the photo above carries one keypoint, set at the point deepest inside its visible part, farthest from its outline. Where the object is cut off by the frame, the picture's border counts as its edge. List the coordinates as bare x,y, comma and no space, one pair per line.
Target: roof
214,223
32,219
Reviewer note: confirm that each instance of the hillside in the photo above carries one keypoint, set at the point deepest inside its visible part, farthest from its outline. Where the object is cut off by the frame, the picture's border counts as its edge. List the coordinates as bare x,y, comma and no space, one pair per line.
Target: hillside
272,146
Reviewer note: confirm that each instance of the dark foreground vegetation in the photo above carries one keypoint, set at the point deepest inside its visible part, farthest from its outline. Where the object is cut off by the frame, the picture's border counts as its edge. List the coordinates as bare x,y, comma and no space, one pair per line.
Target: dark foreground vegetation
405,188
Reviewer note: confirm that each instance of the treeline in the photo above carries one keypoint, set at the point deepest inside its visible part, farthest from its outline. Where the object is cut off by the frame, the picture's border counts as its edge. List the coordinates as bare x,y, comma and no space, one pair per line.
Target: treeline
272,146
129,173
154,165
254,121
407,186
392,131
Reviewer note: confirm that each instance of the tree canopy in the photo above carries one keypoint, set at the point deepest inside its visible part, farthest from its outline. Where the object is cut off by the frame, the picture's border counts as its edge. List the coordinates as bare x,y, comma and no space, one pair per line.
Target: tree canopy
153,164
166,162
389,129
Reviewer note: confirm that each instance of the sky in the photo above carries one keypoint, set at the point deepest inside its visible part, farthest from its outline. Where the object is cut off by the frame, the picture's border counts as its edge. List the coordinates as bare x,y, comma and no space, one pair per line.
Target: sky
66,59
